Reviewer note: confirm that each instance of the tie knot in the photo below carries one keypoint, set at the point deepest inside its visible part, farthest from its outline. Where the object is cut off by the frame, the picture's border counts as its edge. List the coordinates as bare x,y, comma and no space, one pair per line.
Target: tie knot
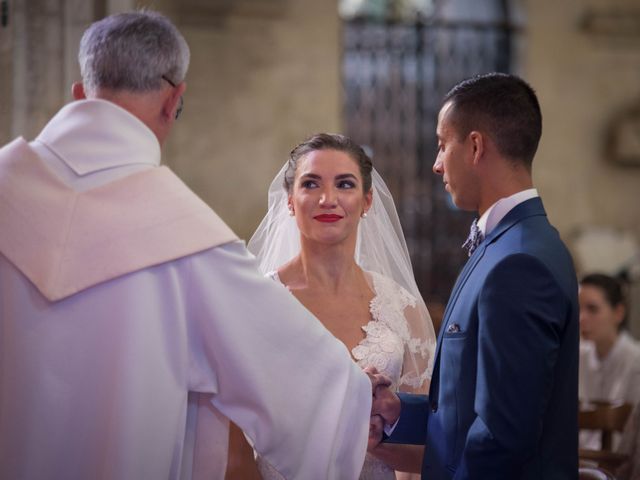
474,239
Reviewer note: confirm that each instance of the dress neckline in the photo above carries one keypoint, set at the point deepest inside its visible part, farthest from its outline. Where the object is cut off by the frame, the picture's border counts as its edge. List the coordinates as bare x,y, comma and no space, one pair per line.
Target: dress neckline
370,276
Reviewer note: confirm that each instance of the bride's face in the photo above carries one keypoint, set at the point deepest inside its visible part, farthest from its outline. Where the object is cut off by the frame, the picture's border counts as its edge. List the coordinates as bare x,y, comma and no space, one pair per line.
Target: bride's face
328,198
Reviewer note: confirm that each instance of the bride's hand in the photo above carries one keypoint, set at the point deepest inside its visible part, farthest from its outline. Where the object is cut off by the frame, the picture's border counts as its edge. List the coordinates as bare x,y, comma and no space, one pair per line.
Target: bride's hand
376,425
377,379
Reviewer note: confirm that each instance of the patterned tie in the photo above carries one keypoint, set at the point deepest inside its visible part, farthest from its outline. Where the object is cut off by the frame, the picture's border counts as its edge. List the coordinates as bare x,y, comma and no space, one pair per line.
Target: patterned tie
474,239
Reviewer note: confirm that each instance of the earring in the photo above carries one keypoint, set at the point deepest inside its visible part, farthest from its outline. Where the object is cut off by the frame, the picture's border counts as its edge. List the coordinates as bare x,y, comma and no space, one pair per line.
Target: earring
291,212
364,215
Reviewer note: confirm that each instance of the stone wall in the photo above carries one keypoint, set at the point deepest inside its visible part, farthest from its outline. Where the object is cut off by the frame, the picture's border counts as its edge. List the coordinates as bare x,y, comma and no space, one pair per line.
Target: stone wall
6,79
583,58
584,79
264,75
261,79
38,61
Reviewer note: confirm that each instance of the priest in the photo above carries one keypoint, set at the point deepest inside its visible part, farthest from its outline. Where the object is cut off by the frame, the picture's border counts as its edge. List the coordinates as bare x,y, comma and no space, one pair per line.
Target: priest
133,322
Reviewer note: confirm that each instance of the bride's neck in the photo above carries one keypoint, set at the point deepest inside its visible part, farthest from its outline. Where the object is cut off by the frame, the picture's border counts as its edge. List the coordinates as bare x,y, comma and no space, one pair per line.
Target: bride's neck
330,267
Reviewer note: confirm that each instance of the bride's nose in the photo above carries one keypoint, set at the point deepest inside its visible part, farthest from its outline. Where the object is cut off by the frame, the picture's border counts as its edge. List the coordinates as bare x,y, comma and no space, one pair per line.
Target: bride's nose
328,198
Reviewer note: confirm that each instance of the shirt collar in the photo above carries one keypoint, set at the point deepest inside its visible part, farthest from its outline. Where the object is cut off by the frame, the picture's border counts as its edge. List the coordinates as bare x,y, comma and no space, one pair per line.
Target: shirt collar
93,135
498,210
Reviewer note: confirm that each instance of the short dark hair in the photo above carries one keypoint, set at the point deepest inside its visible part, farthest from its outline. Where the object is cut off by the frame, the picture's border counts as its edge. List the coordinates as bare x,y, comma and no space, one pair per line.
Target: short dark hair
504,106
611,287
329,141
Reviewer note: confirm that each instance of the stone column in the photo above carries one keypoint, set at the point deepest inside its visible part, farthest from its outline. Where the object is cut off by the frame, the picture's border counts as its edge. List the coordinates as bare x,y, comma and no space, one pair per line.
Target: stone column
38,50
38,64
6,69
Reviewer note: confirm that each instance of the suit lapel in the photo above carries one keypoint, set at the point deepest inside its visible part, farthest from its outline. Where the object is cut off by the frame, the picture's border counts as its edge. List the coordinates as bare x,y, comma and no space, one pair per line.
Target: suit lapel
462,279
524,210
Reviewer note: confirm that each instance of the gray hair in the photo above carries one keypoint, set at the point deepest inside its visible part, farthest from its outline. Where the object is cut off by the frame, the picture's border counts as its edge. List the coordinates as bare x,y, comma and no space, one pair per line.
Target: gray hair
132,51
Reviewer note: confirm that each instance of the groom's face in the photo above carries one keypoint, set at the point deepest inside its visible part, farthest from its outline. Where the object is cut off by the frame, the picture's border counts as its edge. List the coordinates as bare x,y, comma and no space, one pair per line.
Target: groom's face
454,160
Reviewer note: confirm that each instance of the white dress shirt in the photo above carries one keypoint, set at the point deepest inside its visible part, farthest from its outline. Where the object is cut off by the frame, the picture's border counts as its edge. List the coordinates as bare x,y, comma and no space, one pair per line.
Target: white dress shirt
499,210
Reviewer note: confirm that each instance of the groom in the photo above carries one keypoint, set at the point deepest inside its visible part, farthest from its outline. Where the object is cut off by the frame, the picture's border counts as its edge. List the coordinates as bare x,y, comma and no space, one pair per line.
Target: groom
503,397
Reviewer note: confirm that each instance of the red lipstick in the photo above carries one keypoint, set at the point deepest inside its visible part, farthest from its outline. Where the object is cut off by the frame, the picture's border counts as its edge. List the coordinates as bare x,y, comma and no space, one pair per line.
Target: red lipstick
328,217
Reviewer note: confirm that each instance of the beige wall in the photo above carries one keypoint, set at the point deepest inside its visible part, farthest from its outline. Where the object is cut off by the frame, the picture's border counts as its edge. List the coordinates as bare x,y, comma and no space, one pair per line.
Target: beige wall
260,81
582,81
264,75
6,81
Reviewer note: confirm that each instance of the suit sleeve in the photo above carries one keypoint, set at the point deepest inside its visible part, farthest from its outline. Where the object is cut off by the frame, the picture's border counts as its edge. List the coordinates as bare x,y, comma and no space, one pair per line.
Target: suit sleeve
411,427
274,369
522,318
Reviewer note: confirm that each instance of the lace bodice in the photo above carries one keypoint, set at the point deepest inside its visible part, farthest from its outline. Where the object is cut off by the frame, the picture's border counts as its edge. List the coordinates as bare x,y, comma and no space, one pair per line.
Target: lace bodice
388,335
387,339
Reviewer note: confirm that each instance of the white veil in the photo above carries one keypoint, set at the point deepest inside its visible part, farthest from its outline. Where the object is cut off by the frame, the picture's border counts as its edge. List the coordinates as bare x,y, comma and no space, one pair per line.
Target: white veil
380,248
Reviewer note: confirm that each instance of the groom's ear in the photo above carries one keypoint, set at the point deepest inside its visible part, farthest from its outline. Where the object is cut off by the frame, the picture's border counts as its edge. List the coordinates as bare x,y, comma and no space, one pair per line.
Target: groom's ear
478,144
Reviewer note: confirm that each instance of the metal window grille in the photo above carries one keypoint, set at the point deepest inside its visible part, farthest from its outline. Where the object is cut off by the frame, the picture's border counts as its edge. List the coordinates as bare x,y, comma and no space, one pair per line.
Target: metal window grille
394,76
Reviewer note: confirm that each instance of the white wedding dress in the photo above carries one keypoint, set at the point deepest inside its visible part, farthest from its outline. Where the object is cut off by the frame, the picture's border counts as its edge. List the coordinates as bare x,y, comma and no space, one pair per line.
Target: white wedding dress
387,341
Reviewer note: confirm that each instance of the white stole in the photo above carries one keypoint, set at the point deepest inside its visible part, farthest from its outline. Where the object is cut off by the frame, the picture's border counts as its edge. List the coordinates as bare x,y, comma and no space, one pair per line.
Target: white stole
66,241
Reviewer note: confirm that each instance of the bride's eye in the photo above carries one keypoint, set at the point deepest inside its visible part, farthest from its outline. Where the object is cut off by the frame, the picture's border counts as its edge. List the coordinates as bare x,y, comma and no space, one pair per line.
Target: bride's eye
346,184
308,184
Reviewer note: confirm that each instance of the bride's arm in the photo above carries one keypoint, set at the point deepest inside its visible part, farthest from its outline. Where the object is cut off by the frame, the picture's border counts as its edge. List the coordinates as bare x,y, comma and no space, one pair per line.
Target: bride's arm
400,457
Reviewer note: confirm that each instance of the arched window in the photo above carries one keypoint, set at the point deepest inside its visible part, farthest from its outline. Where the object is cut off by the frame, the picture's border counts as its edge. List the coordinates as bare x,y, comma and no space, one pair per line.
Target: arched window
400,58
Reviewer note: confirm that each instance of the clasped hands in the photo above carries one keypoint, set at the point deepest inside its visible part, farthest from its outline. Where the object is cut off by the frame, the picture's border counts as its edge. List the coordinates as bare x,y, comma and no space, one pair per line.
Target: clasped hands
385,406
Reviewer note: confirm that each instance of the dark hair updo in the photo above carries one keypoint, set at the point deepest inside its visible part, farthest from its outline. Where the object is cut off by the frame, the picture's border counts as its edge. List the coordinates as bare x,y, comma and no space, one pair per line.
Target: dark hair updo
329,141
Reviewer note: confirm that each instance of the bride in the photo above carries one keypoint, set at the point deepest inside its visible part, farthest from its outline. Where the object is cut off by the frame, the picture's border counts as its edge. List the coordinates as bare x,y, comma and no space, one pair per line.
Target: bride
332,237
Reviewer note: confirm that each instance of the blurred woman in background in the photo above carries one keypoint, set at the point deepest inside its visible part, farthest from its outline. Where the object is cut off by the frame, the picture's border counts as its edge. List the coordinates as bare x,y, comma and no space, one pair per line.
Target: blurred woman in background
609,356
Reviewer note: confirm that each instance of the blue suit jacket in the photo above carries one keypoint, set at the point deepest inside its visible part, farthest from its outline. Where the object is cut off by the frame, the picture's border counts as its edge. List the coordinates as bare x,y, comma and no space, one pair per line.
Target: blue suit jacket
504,395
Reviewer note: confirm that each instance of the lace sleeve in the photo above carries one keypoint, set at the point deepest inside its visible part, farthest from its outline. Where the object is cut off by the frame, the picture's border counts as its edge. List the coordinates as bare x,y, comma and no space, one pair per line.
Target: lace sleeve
409,318
419,350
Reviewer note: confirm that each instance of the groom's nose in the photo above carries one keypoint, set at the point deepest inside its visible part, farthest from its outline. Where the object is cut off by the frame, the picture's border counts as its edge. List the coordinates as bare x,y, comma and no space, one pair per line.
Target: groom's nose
437,166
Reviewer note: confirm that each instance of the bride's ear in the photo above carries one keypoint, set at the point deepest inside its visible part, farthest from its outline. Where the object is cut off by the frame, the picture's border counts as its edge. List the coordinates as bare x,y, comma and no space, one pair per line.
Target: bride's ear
290,205
368,200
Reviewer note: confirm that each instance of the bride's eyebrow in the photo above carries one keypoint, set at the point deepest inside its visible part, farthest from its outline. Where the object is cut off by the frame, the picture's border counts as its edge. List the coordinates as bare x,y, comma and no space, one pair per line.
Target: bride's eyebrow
315,176
310,175
342,176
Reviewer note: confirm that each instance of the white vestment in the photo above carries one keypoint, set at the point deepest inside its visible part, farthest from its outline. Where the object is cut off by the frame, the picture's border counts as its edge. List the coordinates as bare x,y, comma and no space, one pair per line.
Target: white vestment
133,323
